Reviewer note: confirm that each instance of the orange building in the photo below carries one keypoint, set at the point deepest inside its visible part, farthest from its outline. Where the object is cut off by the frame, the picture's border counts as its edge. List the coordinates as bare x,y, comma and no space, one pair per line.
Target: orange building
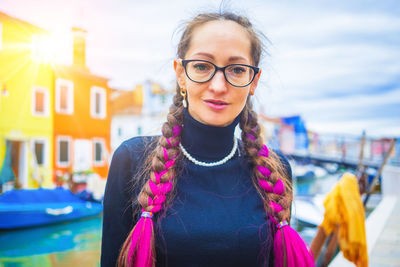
81,116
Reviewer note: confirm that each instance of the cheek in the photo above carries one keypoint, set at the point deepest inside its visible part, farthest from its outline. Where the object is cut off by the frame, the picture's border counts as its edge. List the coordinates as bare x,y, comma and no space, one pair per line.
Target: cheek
242,98
194,91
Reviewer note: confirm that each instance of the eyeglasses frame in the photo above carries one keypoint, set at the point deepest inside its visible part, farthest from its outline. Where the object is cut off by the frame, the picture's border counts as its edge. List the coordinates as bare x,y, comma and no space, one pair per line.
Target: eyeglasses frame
186,61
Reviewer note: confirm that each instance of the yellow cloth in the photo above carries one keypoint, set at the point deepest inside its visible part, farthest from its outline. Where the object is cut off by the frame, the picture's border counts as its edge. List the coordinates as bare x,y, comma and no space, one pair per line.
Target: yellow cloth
344,209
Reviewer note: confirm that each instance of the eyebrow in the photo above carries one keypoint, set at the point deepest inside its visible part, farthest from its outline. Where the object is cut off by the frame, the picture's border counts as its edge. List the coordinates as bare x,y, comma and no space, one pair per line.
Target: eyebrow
233,58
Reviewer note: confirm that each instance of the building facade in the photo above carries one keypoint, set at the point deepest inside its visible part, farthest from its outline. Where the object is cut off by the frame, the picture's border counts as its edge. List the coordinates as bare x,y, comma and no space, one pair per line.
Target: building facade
54,119
141,111
26,101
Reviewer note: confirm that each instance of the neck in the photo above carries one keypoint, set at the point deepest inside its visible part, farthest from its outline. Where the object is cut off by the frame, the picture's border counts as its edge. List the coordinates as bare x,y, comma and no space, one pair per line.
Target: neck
207,142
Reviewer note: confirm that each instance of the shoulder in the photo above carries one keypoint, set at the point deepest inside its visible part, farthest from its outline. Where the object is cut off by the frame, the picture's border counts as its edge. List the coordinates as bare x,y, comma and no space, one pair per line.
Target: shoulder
135,147
126,164
130,156
137,144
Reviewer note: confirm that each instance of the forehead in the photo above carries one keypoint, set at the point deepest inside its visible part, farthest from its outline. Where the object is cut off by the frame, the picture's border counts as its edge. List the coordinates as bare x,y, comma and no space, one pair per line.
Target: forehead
221,38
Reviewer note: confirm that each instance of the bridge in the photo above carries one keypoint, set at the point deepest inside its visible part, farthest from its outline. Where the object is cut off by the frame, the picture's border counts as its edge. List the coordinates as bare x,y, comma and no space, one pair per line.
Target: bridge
316,159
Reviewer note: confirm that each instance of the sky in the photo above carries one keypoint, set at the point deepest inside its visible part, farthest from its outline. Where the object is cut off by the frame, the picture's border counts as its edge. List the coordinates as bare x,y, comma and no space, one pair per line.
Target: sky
335,63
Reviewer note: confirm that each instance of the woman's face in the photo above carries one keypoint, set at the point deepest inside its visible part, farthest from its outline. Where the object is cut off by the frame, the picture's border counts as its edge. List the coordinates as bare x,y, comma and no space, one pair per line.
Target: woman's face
217,102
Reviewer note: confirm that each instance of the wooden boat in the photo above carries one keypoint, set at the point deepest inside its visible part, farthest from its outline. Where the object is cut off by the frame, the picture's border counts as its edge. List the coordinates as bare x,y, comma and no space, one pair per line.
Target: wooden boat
34,207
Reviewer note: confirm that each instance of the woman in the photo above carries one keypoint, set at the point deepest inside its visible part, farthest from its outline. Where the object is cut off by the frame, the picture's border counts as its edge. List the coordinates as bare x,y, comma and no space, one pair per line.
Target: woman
198,197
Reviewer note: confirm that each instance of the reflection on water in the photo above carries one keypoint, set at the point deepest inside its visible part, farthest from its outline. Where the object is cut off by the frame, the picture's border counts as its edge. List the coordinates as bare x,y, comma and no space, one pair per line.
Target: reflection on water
69,244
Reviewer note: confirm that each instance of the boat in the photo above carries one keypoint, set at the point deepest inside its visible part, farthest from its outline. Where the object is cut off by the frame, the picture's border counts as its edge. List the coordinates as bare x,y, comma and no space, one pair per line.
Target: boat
35,207
305,173
309,210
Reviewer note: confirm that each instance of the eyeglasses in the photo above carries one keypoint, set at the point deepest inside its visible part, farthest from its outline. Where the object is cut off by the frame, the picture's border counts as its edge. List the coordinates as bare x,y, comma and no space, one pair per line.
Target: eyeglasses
201,71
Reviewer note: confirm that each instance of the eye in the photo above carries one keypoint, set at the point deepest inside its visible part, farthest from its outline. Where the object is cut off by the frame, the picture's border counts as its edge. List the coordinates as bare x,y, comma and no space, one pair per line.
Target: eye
198,66
238,70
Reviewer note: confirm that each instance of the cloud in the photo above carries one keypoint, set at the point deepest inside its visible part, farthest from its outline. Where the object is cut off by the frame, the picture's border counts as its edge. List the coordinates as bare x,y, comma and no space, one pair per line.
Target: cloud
337,60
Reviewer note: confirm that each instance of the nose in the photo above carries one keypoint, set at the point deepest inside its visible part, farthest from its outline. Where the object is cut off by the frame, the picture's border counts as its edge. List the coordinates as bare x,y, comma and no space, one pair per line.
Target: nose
218,83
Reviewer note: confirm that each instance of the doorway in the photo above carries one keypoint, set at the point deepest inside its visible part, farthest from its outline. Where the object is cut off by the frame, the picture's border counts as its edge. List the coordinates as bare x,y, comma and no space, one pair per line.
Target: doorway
18,162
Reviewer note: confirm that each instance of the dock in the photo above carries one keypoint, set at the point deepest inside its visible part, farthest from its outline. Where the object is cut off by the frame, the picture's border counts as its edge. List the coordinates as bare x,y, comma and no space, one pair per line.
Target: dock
386,251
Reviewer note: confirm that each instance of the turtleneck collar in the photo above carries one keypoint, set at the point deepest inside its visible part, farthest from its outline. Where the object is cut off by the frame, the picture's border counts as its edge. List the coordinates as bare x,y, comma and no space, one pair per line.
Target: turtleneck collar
206,142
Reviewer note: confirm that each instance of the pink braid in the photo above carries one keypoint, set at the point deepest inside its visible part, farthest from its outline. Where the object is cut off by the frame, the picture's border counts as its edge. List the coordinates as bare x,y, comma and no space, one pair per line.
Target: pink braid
289,248
140,248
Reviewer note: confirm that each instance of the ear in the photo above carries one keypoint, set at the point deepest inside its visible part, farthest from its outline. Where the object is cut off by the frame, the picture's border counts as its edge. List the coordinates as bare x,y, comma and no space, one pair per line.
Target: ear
180,73
254,84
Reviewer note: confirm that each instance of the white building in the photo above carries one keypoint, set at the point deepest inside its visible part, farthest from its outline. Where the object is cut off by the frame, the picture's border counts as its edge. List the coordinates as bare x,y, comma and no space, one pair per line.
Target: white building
141,111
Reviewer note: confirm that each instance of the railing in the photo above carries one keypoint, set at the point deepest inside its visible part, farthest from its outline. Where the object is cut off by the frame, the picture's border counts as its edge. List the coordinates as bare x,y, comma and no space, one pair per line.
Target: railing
347,148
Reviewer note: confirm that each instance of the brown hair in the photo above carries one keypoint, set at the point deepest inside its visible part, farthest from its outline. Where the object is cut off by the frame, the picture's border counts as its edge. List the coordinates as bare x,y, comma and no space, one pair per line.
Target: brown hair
253,144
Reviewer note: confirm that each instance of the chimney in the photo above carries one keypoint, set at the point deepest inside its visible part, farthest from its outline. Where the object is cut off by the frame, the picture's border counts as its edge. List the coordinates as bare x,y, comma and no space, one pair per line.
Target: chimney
79,53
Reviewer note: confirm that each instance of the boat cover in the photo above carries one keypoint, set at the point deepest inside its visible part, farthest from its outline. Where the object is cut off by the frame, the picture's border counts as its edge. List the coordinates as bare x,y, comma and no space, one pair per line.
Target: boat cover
32,207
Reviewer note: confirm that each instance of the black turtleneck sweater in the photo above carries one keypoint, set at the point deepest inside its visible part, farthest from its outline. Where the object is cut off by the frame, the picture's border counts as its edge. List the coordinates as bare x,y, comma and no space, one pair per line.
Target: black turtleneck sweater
216,218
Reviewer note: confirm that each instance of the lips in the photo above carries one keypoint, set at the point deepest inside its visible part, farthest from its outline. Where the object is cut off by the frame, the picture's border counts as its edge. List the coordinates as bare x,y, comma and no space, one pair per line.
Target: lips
216,104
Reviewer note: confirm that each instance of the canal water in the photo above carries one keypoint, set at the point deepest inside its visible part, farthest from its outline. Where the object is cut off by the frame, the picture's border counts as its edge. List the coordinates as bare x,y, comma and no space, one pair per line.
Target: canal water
69,244
78,243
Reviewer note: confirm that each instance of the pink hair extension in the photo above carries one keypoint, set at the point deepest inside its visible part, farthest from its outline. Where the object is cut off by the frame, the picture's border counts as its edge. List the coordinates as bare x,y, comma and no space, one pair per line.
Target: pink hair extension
288,245
264,171
250,136
288,242
177,131
275,206
279,187
264,152
140,247
140,250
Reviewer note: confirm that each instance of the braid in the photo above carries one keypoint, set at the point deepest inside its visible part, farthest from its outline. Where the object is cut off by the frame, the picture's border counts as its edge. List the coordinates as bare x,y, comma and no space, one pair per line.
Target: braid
269,176
139,247
272,183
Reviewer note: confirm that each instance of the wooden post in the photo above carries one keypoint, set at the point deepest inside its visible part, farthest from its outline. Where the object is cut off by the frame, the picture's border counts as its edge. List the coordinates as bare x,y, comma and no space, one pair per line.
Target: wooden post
372,185
318,243
331,247
361,157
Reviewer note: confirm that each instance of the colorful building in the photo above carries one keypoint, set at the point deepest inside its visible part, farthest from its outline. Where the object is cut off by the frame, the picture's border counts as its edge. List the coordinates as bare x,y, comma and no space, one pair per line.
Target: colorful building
141,111
54,119
26,101
81,116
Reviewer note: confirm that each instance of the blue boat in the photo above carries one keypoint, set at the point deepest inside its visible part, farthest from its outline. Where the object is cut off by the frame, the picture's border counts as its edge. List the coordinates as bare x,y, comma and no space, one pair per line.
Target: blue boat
34,207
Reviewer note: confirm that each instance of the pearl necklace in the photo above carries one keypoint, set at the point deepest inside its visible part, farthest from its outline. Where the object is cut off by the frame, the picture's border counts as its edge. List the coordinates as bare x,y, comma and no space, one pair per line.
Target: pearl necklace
210,164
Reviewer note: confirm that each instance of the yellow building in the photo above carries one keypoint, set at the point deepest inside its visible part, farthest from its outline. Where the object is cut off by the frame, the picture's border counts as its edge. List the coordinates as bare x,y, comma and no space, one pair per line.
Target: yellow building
26,98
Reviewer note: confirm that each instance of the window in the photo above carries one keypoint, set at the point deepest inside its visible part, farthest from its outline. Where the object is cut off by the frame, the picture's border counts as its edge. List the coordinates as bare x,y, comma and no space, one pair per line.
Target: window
40,99
98,102
63,151
64,96
98,151
39,151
